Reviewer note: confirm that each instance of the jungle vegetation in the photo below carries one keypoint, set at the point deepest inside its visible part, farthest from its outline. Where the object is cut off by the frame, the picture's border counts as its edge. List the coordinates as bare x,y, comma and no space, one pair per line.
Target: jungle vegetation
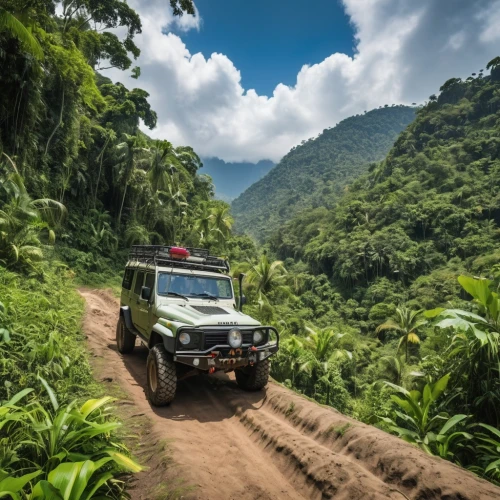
383,281
387,299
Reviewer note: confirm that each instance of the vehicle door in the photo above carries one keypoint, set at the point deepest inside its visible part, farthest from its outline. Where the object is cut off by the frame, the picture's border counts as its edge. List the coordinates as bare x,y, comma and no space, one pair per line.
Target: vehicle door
128,279
146,305
136,303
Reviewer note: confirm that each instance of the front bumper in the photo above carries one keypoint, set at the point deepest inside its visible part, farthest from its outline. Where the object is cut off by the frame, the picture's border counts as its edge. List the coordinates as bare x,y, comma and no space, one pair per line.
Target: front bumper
223,357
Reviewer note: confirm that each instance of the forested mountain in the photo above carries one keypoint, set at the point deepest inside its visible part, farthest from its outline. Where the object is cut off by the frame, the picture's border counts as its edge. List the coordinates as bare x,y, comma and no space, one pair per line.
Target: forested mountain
433,202
315,173
231,179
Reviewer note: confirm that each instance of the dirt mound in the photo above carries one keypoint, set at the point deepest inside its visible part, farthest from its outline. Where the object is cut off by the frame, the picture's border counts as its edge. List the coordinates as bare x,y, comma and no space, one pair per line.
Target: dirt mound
229,444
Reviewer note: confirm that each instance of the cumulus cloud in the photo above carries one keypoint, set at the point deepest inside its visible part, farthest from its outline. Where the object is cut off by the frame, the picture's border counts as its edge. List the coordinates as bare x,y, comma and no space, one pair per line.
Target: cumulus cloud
404,51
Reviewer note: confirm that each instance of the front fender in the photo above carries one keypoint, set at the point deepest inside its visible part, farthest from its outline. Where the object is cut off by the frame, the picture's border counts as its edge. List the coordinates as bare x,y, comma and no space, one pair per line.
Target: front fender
166,335
127,316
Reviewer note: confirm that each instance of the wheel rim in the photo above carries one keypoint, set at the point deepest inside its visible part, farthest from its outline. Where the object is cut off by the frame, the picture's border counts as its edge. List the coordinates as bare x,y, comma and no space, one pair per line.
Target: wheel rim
152,376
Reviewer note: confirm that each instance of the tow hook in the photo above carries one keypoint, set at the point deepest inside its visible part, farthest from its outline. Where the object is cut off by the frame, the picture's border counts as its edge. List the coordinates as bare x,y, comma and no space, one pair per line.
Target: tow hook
253,349
211,370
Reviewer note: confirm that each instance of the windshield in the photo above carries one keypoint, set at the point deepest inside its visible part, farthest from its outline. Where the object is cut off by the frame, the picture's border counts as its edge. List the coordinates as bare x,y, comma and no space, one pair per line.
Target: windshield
189,285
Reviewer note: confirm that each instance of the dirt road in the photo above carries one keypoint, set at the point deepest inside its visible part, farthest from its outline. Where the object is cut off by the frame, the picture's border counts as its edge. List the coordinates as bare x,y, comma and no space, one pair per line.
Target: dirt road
227,444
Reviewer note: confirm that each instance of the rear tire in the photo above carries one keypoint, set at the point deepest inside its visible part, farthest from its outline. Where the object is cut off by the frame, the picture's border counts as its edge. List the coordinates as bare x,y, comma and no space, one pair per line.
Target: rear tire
125,340
161,377
253,378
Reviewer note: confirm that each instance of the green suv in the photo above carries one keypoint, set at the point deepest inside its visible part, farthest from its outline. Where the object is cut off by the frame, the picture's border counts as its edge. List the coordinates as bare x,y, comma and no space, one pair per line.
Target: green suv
180,303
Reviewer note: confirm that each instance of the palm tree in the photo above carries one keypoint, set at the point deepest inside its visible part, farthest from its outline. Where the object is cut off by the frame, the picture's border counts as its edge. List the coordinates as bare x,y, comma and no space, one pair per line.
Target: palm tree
324,352
294,349
132,151
268,276
9,22
203,221
393,369
163,158
22,220
221,222
407,322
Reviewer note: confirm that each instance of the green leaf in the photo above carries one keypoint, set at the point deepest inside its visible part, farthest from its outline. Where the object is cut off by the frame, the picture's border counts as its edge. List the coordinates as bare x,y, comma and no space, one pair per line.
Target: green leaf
50,392
11,494
124,461
16,484
451,423
432,313
8,21
93,404
43,490
491,429
478,288
18,397
440,386
493,465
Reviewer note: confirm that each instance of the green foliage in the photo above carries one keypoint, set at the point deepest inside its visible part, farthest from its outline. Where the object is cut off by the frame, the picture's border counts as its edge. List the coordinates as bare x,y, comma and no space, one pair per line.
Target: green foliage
435,434
315,174
63,448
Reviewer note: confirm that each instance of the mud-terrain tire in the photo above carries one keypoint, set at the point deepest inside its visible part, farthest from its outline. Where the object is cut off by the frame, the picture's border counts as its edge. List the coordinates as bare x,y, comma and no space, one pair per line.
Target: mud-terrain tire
161,377
125,340
253,378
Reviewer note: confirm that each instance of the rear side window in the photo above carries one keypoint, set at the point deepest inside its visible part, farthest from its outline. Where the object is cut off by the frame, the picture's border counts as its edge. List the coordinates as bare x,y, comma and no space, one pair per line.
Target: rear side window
128,277
150,281
138,283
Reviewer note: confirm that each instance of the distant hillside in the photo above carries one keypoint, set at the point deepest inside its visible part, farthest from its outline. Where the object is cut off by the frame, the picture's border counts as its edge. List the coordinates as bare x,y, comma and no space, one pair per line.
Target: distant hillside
231,179
315,173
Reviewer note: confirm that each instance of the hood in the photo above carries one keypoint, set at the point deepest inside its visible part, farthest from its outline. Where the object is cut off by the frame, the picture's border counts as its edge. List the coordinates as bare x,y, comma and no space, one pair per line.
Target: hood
206,314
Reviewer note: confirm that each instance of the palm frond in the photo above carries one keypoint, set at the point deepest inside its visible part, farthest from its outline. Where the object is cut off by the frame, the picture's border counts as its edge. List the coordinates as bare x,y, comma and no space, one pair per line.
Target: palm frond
10,23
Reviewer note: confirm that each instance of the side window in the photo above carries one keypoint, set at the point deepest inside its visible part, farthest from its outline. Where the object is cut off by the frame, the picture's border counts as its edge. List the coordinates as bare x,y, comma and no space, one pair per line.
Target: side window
128,277
138,283
150,281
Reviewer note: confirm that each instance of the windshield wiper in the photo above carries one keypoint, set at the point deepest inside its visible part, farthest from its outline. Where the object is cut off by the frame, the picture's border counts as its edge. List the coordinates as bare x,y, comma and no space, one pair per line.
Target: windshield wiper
175,294
208,295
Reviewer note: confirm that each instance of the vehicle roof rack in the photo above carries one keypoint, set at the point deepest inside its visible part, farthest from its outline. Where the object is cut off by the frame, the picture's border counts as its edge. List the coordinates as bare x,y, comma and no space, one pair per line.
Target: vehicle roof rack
160,255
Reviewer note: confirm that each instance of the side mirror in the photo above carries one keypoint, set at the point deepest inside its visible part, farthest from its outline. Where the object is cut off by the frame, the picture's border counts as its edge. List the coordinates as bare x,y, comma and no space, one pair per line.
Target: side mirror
145,293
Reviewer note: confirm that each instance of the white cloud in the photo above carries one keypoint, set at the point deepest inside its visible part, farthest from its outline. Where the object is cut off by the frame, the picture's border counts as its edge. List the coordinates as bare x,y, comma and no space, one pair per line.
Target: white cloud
404,51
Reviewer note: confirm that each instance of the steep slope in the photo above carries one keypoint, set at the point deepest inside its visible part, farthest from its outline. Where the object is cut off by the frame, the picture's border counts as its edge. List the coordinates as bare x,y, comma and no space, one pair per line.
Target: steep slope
231,179
315,172
431,205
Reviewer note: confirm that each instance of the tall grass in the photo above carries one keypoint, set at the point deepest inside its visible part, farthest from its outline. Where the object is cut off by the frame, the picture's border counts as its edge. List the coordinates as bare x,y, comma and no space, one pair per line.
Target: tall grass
41,320
57,432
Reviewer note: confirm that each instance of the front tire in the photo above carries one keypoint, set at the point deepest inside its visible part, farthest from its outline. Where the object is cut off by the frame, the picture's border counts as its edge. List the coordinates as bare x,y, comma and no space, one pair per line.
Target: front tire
253,378
125,340
162,377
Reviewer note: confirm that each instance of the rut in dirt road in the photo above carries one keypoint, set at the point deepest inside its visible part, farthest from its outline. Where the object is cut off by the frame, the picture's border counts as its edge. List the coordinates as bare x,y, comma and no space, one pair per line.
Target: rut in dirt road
273,444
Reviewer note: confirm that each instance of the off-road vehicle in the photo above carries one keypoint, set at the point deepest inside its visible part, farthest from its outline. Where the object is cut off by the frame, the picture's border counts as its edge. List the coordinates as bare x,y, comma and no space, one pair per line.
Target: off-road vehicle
180,303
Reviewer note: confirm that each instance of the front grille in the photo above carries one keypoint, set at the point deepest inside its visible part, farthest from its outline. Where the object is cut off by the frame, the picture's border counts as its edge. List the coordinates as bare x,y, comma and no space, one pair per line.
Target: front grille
219,337
210,310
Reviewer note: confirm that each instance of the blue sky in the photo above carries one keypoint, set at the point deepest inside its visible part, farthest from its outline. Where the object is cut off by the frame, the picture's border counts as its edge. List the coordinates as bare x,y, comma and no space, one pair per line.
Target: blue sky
270,40
311,64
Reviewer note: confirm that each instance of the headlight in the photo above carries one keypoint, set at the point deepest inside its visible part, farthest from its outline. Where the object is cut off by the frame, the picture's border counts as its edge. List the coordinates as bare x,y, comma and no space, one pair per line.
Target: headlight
234,338
184,338
258,336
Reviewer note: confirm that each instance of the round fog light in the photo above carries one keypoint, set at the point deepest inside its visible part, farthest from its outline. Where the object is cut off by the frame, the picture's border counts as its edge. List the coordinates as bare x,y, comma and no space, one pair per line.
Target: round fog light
184,338
196,362
234,338
258,336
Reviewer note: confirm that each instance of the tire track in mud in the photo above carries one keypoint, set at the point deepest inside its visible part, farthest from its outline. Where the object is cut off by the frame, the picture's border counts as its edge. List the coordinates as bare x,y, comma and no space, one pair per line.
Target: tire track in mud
228,444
